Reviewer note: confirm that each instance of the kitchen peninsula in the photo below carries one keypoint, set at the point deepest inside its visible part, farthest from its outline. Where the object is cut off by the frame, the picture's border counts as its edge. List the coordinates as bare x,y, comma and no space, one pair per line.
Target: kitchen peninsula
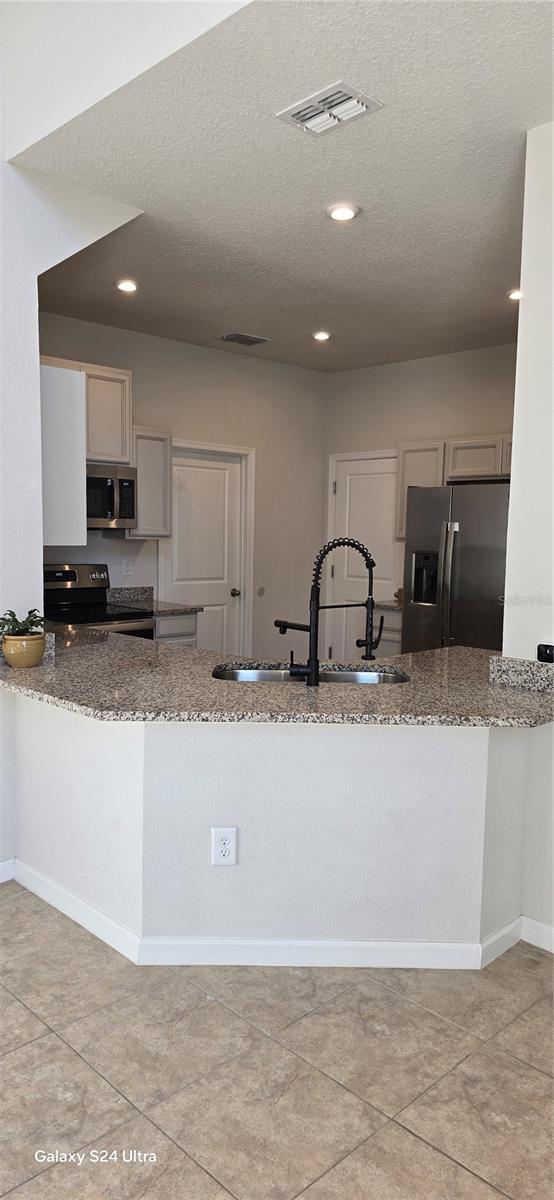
410,798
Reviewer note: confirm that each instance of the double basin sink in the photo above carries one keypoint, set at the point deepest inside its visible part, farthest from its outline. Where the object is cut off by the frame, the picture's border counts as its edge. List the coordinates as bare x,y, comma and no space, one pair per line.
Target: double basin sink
256,674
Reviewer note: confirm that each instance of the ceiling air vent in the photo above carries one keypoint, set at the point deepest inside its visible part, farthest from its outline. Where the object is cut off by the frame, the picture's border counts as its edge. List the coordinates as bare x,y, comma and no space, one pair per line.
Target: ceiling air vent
243,339
329,108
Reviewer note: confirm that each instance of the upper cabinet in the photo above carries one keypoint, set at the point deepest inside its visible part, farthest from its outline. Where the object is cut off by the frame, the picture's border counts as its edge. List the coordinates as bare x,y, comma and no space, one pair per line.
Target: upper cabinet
473,456
64,499
152,458
432,463
109,412
420,464
108,392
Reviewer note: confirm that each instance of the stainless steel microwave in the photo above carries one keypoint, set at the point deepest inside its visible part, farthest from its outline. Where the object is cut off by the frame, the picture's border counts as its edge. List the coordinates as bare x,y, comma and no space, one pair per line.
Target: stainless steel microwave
111,496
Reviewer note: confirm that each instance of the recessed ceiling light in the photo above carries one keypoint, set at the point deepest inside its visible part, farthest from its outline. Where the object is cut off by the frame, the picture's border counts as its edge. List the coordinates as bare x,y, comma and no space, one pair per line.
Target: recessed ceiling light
343,212
515,294
127,285
321,336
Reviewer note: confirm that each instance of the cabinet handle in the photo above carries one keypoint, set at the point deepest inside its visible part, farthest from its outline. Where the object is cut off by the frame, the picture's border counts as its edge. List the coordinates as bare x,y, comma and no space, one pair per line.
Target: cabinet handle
235,591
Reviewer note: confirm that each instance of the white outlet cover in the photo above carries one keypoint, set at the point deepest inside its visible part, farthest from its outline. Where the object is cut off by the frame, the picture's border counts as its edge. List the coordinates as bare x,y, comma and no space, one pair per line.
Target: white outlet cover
224,846
127,566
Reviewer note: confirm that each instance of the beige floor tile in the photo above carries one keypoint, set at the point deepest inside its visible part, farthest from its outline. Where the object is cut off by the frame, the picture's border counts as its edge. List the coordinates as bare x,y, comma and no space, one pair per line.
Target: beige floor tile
172,1177
50,1099
394,1165
9,890
494,1115
530,1036
27,924
267,1124
272,997
480,1001
383,1048
533,963
156,1040
17,1025
63,981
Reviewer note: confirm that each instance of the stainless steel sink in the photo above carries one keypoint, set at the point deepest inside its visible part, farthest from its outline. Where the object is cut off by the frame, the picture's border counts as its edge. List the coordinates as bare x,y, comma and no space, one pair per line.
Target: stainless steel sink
282,675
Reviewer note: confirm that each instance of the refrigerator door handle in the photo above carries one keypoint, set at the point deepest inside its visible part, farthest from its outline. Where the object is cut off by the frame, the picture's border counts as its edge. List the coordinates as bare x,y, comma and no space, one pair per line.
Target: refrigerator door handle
452,528
440,579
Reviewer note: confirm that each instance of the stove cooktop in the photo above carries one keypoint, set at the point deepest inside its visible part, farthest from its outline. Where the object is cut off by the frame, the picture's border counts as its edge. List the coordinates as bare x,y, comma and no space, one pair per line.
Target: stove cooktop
94,614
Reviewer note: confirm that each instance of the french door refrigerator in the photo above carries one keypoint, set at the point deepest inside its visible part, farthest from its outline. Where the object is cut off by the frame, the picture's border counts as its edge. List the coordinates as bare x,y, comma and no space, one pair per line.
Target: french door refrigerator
454,565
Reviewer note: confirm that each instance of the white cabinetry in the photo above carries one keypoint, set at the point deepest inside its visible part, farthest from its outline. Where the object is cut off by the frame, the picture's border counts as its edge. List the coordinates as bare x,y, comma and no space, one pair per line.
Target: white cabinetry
108,414
152,459
420,464
108,409
177,630
506,454
432,463
64,498
473,456
391,640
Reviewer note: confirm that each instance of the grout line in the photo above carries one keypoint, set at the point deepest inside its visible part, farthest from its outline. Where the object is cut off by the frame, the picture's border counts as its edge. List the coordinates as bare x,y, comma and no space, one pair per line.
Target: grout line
456,1161
137,1111
344,1157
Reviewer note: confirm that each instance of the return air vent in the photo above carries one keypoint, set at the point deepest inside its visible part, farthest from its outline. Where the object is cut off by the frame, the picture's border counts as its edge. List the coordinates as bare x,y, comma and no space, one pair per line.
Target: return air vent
329,108
243,339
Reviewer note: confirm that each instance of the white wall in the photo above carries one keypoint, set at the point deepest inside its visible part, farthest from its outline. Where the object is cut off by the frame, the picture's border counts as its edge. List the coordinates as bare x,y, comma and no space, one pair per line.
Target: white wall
529,617
450,395
60,58
216,396
538,864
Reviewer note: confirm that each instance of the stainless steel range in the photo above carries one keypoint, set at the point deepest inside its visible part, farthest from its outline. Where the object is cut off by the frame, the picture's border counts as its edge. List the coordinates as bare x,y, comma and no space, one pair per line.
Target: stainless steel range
75,594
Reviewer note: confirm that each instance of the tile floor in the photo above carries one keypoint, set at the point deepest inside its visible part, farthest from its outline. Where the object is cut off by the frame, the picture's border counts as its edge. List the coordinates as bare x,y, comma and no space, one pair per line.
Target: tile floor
267,1083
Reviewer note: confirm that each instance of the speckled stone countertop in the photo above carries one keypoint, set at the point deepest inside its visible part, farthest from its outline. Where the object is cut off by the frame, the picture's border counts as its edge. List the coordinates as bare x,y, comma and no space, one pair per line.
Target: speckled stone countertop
143,597
117,678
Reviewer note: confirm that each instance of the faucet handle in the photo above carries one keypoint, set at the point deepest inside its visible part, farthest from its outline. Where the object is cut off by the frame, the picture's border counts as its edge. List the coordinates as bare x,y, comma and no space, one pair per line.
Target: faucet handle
292,658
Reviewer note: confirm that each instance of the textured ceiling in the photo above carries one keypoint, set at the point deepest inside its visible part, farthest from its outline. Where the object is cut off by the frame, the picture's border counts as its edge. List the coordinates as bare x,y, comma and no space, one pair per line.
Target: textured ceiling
234,234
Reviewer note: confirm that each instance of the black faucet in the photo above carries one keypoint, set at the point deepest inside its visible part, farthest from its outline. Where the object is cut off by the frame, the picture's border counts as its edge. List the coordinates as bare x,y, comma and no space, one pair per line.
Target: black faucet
310,669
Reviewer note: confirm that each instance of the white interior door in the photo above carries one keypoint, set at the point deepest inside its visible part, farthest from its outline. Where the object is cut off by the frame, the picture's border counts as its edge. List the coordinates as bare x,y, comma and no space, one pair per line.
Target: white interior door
201,562
364,509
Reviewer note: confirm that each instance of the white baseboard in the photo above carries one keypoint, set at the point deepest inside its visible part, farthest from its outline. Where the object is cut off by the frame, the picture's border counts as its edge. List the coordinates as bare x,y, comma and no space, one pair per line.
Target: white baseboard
118,936
537,934
7,869
290,952
500,941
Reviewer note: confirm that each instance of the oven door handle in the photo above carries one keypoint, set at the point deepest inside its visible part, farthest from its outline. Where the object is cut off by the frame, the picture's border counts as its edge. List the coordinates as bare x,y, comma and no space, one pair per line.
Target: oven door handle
119,626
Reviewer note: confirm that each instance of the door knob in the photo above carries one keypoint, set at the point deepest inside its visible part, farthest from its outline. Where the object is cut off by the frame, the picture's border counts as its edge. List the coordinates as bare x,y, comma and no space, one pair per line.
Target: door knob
235,591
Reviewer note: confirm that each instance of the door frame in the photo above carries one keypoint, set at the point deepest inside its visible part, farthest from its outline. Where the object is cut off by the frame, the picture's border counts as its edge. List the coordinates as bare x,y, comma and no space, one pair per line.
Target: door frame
247,456
344,456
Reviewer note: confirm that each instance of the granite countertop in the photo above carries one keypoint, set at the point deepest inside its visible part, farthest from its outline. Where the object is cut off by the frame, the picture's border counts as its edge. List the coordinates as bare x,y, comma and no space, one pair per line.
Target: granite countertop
143,597
117,678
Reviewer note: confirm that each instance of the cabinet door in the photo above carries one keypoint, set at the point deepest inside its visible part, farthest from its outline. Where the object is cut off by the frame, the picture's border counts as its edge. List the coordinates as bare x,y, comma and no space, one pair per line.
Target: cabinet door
108,414
507,454
64,500
473,456
420,464
152,458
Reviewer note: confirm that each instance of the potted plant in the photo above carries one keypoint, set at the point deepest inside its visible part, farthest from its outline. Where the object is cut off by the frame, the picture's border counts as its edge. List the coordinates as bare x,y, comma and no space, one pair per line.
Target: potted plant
23,641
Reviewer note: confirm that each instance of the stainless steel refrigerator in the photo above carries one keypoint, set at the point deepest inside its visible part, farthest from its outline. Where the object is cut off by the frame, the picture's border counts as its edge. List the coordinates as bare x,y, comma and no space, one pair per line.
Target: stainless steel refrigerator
455,564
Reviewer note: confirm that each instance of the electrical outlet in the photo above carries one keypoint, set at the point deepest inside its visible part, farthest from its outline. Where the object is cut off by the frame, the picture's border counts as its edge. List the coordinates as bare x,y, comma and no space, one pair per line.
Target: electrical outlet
224,846
127,566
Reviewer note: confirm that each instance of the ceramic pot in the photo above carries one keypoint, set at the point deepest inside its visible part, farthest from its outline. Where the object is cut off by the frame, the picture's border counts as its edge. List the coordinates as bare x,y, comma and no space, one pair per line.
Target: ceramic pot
23,651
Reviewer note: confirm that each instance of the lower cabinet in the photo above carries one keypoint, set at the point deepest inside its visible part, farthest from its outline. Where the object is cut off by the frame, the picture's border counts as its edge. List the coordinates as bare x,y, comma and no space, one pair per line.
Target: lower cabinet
391,640
179,630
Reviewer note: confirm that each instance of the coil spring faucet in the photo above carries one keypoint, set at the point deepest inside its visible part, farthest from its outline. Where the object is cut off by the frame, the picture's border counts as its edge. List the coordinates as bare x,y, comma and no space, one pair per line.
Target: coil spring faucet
310,669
